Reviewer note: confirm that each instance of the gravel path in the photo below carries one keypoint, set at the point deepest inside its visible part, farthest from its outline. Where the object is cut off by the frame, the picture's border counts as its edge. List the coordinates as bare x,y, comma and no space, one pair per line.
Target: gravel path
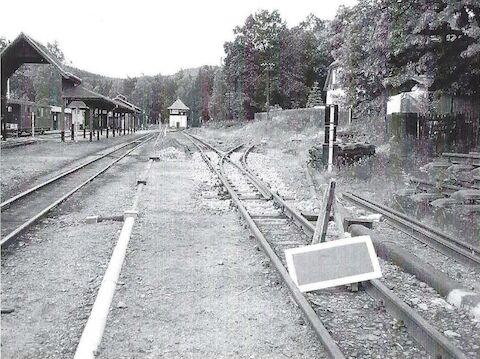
194,284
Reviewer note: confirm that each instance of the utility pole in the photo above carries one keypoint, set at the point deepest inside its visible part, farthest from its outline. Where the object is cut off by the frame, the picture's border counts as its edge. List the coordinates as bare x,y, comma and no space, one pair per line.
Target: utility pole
268,66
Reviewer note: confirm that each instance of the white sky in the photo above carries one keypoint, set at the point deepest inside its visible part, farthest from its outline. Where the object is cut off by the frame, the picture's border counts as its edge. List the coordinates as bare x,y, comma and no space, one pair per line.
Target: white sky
127,38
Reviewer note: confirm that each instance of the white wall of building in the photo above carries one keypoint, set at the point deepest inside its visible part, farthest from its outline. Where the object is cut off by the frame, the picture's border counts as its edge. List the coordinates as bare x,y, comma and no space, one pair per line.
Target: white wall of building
415,101
77,116
180,119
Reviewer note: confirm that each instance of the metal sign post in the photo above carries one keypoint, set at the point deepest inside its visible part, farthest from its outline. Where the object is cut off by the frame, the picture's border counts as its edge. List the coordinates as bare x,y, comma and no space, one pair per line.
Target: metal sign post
330,138
33,124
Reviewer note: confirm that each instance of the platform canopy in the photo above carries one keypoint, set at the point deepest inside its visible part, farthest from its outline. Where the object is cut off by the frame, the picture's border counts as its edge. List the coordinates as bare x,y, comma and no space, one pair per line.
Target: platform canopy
25,50
90,98
125,106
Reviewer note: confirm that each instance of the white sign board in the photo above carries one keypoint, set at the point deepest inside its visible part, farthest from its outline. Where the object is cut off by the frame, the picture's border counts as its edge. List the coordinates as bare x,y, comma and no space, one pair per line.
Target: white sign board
334,263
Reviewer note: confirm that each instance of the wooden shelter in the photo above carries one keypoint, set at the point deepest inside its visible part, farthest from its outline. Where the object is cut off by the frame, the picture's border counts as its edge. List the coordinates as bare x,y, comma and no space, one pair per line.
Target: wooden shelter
128,113
25,50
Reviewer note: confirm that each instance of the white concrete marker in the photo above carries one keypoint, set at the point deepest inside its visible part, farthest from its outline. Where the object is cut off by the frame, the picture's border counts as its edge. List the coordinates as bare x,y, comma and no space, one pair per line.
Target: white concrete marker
457,297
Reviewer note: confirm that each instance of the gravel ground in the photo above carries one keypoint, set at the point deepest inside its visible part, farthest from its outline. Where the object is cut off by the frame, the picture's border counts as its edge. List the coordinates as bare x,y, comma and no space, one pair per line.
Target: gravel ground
51,276
24,166
284,169
194,286
454,323
357,323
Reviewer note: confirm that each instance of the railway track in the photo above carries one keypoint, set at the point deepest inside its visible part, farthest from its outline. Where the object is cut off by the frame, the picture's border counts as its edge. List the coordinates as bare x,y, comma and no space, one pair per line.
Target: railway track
278,226
461,251
21,211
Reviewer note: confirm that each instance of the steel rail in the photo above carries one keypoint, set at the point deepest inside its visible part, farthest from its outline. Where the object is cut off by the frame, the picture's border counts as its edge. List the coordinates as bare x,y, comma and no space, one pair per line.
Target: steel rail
452,247
440,186
12,235
64,174
422,332
324,336
265,192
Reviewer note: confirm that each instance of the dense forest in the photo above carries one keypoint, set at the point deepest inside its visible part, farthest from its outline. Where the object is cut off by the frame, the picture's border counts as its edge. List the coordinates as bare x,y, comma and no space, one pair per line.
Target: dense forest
380,45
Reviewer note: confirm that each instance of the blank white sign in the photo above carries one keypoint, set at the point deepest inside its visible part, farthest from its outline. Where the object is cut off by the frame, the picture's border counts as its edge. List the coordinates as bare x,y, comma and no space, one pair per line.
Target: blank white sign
329,264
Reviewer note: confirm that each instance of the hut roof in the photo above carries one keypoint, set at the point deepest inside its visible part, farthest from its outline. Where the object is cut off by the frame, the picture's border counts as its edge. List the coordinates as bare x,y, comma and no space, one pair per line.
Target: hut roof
178,105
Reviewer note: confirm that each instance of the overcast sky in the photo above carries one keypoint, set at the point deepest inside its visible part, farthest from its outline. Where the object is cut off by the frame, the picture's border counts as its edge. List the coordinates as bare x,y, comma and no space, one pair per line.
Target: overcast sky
128,38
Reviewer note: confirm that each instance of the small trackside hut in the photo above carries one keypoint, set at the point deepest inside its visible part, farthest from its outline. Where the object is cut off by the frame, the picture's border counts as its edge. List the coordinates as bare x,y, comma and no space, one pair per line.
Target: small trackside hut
178,114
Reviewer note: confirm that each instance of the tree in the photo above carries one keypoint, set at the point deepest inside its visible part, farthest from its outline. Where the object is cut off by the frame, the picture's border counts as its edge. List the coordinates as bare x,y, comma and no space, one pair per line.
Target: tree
443,43
3,43
54,49
300,56
218,102
142,95
315,96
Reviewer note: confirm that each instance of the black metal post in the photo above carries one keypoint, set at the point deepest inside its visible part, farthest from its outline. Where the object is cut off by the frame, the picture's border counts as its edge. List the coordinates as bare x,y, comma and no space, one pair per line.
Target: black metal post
91,124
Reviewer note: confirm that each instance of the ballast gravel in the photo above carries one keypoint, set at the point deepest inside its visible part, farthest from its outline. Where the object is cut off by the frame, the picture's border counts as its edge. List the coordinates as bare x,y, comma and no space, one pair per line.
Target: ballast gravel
193,284
24,166
51,275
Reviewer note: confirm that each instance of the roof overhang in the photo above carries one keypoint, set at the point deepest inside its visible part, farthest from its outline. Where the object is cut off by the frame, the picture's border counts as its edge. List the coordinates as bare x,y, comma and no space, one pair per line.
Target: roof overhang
125,106
25,50
91,98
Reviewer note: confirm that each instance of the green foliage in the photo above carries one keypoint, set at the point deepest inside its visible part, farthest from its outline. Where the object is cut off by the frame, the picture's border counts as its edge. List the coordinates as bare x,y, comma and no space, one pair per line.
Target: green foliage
218,106
299,56
381,45
3,43
443,43
315,96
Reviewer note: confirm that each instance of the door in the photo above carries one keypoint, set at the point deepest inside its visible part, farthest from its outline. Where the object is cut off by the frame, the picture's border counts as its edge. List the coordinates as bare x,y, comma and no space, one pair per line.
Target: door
55,121
178,125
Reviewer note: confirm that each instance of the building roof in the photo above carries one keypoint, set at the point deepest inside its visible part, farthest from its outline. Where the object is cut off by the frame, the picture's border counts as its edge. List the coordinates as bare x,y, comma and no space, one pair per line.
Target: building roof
78,104
178,105
90,98
24,50
122,100
17,101
334,65
405,82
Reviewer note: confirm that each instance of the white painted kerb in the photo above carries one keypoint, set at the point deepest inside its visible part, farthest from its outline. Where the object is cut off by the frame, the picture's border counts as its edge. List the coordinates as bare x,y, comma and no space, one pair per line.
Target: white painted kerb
93,331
